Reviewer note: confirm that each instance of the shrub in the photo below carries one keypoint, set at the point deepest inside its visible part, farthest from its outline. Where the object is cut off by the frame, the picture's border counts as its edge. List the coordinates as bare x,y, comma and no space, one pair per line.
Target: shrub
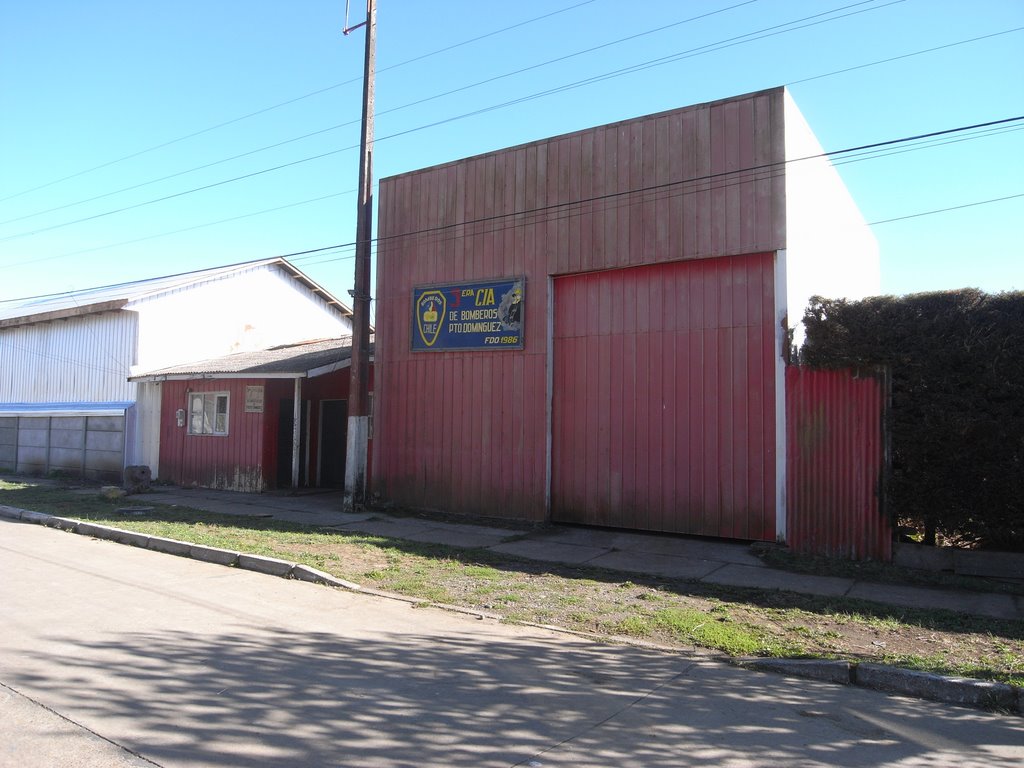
957,413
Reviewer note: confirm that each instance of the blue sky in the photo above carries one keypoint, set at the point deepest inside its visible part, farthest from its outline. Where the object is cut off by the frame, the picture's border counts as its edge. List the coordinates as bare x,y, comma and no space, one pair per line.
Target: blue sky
85,85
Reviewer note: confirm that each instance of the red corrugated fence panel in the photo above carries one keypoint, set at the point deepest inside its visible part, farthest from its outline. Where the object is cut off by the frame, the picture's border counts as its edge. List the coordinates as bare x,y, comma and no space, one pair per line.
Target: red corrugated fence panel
836,463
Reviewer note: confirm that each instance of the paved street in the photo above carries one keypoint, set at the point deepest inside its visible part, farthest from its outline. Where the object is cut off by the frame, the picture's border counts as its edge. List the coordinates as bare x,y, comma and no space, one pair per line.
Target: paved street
146,658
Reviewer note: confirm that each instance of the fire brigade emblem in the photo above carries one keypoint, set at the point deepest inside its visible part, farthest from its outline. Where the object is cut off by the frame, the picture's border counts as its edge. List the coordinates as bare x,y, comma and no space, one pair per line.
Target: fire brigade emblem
430,309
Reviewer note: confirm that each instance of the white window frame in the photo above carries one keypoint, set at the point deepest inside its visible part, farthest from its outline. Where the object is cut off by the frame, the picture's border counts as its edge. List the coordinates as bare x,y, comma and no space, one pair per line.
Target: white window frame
208,417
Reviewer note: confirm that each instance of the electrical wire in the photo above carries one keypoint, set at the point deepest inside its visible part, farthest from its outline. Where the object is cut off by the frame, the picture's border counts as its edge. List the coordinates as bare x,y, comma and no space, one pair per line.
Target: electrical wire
944,210
765,167
807,79
378,114
179,231
724,179
904,56
710,48
296,99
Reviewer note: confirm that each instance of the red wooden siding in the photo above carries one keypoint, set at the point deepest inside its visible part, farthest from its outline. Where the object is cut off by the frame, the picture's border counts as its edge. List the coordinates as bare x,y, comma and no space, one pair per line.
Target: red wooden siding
233,461
835,464
246,459
467,431
664,398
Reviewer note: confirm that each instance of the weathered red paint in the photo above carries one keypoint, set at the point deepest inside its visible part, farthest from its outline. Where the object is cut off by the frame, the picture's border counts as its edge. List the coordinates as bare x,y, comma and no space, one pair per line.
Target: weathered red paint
245,459
836,463
664,398
467,431
234,461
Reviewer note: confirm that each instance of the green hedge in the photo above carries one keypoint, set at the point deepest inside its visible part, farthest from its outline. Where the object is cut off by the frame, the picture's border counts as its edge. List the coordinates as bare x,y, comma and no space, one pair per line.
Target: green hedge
957,417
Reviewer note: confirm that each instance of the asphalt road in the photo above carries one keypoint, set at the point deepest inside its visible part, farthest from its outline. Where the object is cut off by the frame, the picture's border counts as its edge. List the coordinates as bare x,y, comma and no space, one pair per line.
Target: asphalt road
111,655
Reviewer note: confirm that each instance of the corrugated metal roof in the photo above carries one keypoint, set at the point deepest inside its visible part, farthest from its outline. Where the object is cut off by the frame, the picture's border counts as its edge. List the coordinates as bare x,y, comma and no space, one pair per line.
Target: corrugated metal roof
108,297
302,359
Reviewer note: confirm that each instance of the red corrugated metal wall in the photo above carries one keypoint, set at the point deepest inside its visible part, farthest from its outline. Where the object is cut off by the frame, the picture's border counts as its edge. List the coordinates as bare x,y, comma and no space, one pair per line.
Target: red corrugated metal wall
467,431
233,461
664,398
836,463
247,458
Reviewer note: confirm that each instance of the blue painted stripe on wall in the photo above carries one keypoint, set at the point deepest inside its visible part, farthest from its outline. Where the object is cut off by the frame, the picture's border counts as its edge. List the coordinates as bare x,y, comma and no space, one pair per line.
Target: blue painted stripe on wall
37,407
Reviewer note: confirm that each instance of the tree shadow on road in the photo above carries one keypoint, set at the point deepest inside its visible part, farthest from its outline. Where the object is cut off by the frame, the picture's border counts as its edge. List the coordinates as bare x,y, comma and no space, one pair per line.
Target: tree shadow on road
483,695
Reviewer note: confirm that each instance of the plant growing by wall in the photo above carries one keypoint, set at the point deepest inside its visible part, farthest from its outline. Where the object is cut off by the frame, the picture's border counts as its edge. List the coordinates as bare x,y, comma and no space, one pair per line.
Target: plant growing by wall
957,416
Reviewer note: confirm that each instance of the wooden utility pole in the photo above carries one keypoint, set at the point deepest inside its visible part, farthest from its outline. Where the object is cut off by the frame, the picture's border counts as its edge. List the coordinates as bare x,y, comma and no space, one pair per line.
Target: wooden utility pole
359,389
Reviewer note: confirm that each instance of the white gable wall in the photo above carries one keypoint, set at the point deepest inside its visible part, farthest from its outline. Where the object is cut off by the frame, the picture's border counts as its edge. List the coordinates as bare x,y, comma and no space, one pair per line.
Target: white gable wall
243,311
255,309
830,250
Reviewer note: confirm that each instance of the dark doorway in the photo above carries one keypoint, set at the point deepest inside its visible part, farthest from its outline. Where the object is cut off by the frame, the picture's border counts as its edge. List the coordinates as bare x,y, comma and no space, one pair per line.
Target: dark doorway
284,444
333,439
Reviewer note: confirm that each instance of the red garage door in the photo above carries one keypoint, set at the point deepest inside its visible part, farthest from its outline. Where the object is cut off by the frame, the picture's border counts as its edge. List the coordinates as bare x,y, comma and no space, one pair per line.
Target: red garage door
664,398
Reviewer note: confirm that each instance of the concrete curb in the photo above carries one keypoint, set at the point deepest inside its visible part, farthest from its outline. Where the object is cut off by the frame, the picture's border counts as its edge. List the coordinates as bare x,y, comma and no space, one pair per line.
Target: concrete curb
813,669
213,555
962,691
306,573
271,566
979,694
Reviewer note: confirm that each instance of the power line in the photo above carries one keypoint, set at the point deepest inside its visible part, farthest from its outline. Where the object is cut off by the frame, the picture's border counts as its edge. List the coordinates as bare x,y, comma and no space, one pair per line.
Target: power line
447,93
297,256
77,291
807,79
874,155
767,170
905,56
750,37
379,112
179,231
764,168
918,137
701,50
296,99
178,173
569,214
566,57
925,141
175,194
867,153
651,194
944,210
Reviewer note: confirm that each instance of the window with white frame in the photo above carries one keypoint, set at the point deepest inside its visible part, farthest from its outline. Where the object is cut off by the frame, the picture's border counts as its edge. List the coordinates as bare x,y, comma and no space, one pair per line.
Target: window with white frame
208,413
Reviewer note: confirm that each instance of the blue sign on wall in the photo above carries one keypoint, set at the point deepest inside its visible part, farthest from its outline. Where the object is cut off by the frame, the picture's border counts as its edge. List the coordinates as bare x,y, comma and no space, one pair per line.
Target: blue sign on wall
486,315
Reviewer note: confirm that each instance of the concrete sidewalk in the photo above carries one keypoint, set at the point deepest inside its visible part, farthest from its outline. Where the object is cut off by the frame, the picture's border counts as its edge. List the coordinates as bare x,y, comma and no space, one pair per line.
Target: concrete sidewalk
706,560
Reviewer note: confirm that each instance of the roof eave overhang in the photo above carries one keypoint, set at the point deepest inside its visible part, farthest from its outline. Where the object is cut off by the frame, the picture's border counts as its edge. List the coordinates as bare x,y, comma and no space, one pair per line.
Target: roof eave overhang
340,365
64,314
156,377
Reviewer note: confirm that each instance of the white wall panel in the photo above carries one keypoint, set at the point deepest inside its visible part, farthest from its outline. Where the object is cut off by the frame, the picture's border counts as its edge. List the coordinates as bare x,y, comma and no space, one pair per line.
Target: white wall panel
830,250
79,360
251,310
144,445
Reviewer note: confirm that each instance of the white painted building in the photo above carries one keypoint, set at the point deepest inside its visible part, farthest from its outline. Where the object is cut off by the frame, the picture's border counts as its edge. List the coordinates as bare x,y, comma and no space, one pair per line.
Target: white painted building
830,249
66,402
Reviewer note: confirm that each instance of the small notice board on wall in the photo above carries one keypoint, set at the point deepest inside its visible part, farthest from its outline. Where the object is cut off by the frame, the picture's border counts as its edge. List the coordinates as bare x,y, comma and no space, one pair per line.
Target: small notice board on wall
254,399
481,315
